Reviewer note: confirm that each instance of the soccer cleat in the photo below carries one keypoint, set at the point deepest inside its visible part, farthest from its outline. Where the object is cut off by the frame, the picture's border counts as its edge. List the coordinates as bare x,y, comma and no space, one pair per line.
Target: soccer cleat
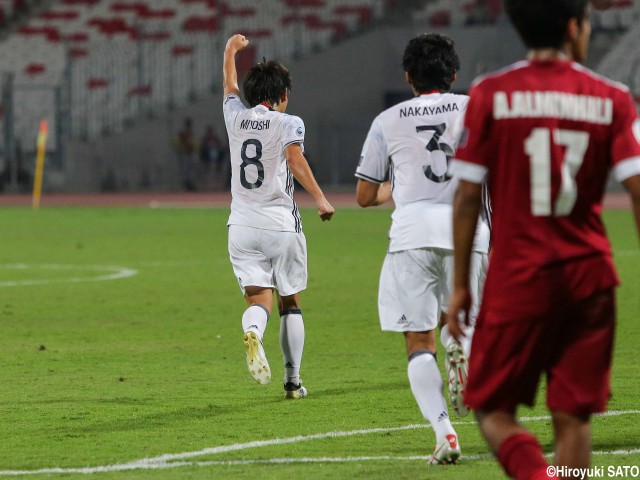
256,359
457,368
294,392
446,452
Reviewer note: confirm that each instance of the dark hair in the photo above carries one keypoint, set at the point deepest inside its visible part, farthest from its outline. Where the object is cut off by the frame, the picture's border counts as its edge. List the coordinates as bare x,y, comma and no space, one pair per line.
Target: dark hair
431,61
543,23
266,82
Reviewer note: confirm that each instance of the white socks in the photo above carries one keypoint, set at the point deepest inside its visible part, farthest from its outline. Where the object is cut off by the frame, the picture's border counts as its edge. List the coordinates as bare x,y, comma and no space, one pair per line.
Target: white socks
291,343
426,385
255,319
465,342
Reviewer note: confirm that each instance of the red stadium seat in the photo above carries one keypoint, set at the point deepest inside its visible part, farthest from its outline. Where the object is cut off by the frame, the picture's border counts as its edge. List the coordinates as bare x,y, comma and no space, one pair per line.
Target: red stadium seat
238,12
441,18
138,7
50,33
363,11
140,91
75,37
154,36
200,24
88,3
259,33
113,26
59,15
245,59
164,14
180,50
94,83
305,3
78,52
35,69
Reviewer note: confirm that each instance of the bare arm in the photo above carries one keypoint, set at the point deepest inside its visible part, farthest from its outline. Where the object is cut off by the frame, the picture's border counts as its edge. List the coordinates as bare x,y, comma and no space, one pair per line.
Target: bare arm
632,185
466,207
301,170
229,73
369,194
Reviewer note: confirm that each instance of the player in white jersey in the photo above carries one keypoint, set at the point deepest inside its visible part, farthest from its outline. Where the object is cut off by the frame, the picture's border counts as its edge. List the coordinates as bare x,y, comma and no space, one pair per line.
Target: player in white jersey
267,248
406,155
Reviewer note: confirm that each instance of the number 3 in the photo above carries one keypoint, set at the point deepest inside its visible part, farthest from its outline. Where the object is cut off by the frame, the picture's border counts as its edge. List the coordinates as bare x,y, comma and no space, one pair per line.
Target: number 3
437,151
538,147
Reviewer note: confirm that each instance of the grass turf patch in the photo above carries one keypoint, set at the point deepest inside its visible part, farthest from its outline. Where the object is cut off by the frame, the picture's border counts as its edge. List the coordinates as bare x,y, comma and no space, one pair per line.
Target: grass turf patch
102,373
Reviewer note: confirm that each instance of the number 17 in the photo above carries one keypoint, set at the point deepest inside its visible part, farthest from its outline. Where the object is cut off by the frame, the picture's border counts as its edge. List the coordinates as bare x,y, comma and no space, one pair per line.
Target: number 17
538,147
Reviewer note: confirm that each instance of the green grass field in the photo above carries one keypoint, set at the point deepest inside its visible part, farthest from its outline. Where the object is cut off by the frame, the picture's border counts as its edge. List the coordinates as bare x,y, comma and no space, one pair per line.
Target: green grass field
100,373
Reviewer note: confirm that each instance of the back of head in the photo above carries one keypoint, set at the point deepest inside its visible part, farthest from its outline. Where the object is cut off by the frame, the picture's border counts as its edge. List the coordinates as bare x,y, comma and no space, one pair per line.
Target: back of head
266,82
431,61
543,23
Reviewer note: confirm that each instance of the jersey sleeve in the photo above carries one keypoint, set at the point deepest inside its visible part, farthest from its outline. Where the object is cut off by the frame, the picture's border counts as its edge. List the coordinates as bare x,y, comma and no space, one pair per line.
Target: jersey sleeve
374,159
625,147
471,160
230,108
292,130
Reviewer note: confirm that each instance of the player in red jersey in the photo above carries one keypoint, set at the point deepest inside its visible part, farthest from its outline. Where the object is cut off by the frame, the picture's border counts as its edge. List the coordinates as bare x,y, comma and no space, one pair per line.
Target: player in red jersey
544,133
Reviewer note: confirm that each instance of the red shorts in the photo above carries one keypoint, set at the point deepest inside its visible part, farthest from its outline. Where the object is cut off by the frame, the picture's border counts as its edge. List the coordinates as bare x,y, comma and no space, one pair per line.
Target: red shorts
571,342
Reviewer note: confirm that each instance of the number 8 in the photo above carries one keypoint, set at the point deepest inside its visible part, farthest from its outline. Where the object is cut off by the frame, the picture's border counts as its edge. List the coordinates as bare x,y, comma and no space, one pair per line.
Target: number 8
246,161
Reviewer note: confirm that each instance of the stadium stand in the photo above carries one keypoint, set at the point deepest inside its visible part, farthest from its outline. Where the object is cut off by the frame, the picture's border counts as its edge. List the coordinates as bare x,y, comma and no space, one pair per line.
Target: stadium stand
447,13
92,67
622,62
113,60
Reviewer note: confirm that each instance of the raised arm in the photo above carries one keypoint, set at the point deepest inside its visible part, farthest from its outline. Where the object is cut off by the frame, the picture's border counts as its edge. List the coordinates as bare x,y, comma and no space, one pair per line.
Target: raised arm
466,208
229,73
301,170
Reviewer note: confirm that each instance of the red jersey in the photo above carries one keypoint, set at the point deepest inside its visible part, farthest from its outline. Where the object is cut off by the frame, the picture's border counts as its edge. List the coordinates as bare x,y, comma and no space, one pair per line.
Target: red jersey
545,135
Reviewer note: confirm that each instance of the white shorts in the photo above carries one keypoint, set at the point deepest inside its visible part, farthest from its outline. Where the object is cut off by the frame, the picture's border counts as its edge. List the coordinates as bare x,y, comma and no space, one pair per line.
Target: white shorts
416,285
270,259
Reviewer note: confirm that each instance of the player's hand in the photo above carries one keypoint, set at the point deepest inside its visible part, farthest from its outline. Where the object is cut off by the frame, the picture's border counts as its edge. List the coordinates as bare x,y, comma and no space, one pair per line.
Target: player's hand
236,43
325,210
459,305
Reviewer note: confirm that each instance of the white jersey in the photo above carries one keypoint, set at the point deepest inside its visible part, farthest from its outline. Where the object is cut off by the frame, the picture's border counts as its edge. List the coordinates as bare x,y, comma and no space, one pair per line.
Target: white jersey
261,182
411,144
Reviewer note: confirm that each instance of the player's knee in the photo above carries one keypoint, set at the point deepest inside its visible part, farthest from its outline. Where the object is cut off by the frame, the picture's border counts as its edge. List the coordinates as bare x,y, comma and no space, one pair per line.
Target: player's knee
418,341
291,302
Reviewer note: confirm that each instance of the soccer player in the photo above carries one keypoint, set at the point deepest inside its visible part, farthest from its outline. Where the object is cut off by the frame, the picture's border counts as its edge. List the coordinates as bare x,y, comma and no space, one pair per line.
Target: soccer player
411,143
266,245
544,133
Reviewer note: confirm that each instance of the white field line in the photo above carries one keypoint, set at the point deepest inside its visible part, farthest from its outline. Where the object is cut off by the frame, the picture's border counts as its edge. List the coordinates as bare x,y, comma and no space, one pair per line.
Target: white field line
421,458
104,273
176,263
167,461
185,204
626,253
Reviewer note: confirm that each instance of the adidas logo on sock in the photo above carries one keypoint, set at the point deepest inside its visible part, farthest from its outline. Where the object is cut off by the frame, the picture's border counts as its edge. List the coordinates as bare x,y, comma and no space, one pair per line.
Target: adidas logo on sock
443,416
288,365
403,320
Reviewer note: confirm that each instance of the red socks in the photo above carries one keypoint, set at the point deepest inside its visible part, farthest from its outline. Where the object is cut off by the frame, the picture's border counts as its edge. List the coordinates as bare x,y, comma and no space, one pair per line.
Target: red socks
521,457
